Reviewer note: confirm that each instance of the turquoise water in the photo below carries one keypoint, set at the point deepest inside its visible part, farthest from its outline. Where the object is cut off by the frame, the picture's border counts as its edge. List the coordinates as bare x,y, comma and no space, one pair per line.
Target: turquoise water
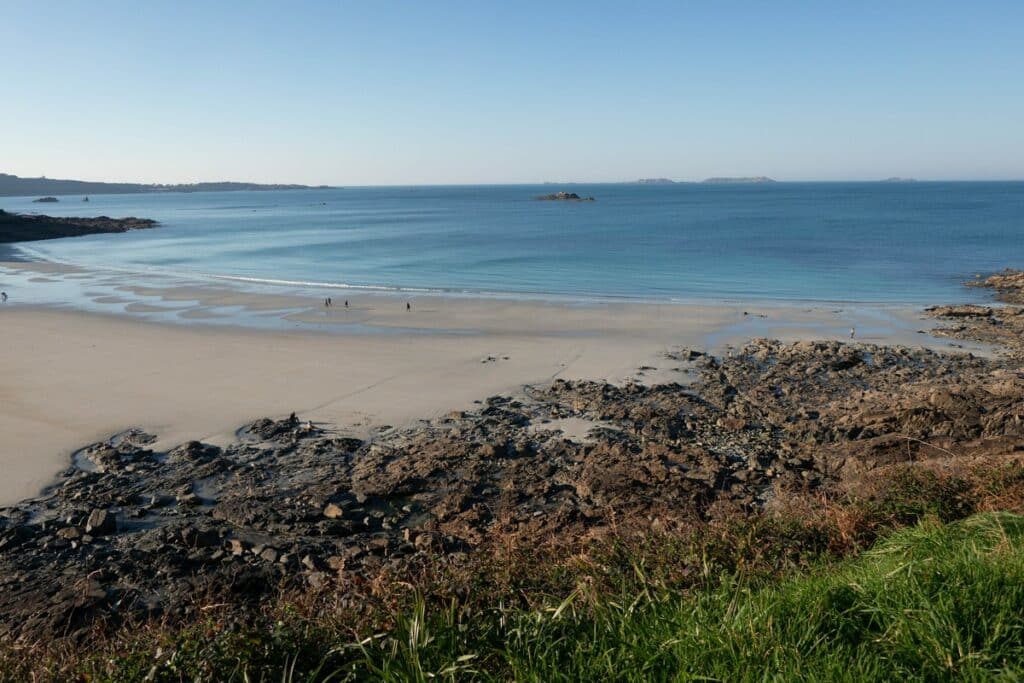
863,242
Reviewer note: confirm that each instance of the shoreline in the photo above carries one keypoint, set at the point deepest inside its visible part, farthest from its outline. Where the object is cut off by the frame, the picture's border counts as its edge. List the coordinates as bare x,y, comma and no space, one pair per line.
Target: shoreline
234,461
70,377
215,357
196,298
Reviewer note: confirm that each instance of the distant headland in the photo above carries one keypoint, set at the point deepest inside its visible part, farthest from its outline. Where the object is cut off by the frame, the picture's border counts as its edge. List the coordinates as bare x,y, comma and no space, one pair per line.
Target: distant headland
654,181
752,180
14,186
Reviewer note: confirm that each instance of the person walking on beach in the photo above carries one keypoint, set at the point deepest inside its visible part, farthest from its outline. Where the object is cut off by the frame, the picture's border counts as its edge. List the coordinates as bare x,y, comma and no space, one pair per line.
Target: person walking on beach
3,297
408,307
346,303
853,331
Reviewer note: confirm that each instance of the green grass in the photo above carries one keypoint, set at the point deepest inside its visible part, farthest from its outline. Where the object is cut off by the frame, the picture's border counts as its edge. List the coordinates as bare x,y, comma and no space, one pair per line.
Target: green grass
934,602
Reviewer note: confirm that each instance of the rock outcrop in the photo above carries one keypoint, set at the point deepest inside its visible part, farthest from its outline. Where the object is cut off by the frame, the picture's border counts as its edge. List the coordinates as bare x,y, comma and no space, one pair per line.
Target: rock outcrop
564,197
15,227
1008,286
1001,325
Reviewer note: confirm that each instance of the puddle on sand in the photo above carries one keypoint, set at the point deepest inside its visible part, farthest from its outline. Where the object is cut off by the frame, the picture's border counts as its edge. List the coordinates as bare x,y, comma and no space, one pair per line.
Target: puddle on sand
574,429
207,490
134,437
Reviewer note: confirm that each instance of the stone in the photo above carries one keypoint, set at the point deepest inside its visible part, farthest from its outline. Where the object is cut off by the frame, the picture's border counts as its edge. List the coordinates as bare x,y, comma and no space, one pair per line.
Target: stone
732,423
101,523
188,499
200,538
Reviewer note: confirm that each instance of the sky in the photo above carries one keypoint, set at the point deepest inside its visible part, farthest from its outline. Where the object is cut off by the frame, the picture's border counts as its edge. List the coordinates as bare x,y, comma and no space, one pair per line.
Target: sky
382,93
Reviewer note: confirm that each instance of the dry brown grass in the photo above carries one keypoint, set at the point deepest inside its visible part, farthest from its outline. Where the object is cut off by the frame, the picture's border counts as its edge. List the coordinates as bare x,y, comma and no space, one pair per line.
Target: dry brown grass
516,569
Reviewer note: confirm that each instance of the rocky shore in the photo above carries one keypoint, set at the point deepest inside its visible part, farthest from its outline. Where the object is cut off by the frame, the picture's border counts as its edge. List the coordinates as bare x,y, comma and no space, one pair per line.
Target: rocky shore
15,227
1002,325
128,533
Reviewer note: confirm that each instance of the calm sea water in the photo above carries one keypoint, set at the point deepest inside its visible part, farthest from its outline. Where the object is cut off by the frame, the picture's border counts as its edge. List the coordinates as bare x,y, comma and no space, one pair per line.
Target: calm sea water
867,242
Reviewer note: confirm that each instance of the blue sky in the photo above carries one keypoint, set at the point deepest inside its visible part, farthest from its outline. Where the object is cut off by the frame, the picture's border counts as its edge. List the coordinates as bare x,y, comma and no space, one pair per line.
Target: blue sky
470,92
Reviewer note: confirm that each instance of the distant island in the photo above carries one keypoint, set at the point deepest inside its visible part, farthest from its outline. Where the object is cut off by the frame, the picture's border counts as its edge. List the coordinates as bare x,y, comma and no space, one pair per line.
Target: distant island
14,186
753,180
897,179
654,181
46,200
564,197
16,227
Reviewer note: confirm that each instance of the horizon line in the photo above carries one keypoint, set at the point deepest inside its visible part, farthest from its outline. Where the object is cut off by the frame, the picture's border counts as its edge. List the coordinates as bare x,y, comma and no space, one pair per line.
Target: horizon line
703,181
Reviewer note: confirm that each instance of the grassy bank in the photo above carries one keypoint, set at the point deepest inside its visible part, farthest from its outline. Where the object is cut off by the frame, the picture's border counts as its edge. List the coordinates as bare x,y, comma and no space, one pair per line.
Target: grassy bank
932,602
923,579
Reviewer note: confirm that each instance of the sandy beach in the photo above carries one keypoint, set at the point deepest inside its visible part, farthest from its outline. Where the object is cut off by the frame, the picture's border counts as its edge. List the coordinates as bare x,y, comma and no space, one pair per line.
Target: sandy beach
71,378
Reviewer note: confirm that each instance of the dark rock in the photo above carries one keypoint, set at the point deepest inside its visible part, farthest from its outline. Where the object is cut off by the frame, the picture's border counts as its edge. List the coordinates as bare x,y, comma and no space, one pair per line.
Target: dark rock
564,197
194,537
22,228
101,523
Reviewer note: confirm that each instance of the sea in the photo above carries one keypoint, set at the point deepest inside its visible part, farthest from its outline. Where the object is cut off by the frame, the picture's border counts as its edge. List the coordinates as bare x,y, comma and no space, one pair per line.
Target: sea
907,242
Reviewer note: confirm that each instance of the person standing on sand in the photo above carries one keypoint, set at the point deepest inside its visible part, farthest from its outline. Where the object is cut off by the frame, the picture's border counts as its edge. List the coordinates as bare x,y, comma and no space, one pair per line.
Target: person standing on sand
407,306
346,303
3,297
853,331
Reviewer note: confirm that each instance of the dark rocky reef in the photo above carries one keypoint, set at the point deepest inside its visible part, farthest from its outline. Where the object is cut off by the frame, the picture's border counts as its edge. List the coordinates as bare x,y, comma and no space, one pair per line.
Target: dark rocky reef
564,197
1007,285
15,227
45,200
1002,325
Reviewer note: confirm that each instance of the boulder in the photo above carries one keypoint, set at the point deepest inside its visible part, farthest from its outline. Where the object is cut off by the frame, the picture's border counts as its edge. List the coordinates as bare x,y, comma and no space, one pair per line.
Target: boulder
101,523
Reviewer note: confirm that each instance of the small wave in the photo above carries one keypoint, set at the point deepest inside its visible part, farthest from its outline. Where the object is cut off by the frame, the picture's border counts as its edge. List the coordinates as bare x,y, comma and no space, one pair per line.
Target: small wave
324,285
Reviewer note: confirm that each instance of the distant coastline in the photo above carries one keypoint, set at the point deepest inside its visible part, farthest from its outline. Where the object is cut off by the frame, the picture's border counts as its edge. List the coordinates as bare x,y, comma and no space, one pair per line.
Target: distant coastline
14,186
748,180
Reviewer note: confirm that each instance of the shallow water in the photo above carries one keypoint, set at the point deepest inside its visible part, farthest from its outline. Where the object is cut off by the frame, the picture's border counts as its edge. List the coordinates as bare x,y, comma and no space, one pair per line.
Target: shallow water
865,242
